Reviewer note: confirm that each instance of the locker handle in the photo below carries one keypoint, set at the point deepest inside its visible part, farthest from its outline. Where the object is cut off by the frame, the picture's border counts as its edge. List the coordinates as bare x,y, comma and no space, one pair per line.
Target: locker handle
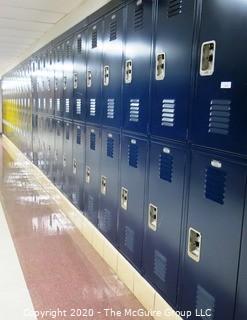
128,71
56,84
103,185
208,50
74,166
89,79
64,161
124,198
152,217
88,175
194,244
160,66
106,75
64,82
75,80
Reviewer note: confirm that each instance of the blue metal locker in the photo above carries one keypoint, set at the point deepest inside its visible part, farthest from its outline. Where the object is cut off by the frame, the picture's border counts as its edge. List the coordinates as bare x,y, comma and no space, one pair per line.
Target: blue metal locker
50,147
68,158
215,213
78,164
171,71
137,65
58,154
219,111
163,217
92,181
44,73
68,79
94,77
40,141
112,69
58,81
109,184
132,189
50,82
79,77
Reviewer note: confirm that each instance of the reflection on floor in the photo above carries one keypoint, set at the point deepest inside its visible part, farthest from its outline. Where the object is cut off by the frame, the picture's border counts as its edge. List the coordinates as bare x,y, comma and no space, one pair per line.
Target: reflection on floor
61,269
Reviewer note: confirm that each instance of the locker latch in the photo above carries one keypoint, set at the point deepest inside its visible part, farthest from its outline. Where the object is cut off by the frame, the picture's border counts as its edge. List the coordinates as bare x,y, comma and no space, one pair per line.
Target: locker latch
56,155
194,244
208,50
103,185
128,71
64,161
64,82
74,166
106,75
75,80
89,79
49,85
56,84
88,176
152,217
124,198
160,66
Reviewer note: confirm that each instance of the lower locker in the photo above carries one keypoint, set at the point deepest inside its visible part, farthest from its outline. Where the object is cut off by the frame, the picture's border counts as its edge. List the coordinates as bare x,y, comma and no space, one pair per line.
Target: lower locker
50,147
35,138
132,188
58,154
109,184
163,218
67,159
92,181
78,165
40,142
215,213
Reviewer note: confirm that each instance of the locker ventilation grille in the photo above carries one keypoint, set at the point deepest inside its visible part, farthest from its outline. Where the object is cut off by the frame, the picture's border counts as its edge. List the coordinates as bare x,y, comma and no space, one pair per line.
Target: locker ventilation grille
78,135
175,7
134,110
58,104
92,141
67,132
219,117
215,180
67,107
133,155
105,221
168,113
160,267
68,50
110,108
92,107
113,30
138,20
50,102
166,167
204,301
94,39
110,147
90,204
79,44
78,106
129,238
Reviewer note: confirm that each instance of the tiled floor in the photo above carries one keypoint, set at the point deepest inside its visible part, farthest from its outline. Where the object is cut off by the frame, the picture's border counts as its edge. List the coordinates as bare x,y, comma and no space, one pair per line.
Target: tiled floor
62,271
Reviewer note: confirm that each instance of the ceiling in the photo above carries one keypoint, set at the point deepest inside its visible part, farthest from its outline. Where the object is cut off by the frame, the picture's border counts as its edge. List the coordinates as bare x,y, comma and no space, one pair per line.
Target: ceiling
24,22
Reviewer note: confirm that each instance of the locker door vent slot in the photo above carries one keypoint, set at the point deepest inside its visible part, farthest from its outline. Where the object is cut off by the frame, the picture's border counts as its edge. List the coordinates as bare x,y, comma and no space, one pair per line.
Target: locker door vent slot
124,198
92,107
50,103
88,175
205,301
128,71
74,166
92,141
113,30
194,245
68,50
78,135
208,50
103,185
79,44
152,217
168,113
110,108
78,106
90,204
67,106
94,39
160,66
160,268
129,239
39,103
44,103
134,110
105,221
166,166
133,155
106,75
175,8
110,147
138,19
215,183
219,116
67,132
58,104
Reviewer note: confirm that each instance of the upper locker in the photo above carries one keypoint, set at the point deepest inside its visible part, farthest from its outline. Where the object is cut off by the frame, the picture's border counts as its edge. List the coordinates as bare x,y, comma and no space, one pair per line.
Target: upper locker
220,108
79,76
94,65
171,74
137,65
68,79
58,81
112,69
50,82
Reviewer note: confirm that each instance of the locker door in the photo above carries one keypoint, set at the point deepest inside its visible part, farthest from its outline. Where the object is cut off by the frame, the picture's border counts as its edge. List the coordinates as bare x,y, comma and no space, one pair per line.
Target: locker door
109,185
219,111
40,141
112,69
44,82
161,251
50,147
50,82
68,159
79,77
91,184
132,187
215,215
58,81
94,65
78,165
45,144
68,79
171,73
58,154
137,65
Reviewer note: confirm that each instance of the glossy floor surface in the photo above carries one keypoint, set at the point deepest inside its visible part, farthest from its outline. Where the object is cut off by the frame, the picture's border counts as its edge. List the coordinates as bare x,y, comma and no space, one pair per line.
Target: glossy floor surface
62,271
